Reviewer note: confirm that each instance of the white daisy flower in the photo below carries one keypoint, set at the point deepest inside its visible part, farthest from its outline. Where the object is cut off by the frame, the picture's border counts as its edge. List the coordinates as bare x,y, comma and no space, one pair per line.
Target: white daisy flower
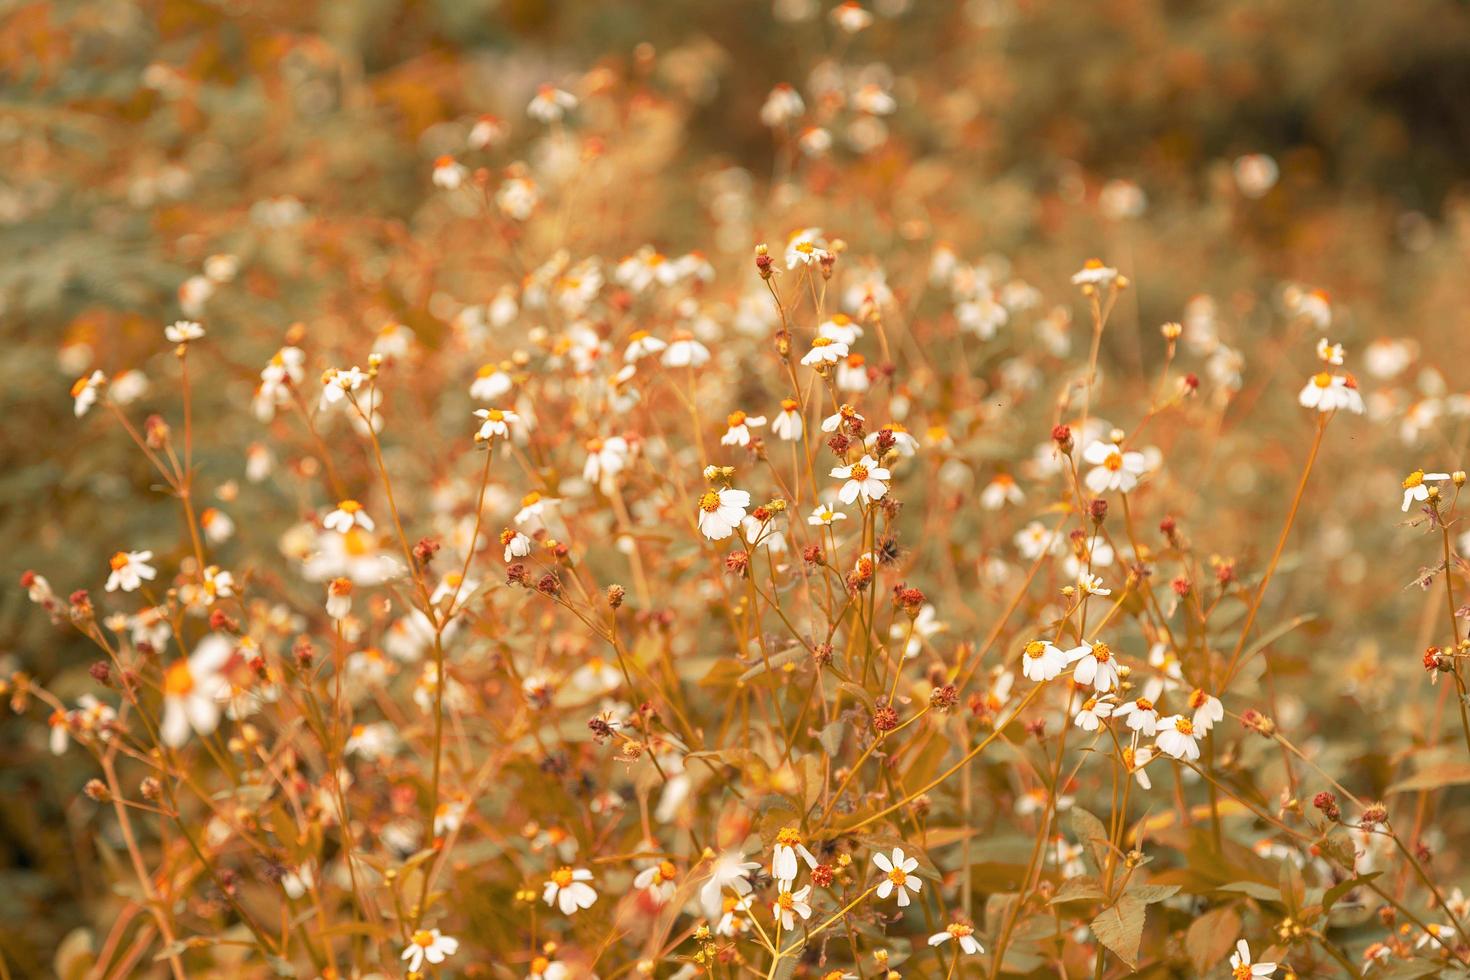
182,331
1042,660
641,344
550,104
129,570
349,514
721,511
84,392
824,350
193,689
1207,710
1330,392
961,932
897,875
788,425
1178,738
865,479
1094,712
494,422
1141,715
1416,486
789,904
738,428
825,515
788,848
568,890
428,945
728,871
1096,665
449,173
1113,469
1241,966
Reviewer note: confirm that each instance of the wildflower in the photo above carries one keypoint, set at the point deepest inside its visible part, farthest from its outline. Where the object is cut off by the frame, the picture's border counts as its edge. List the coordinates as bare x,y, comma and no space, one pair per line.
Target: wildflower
1207,710
825,515
428,945
721,511
1241,966
684,351
1096,665
1416,486
824,350
533,510
733,921
1094,273
1330,392
640,345
789,904
182,331
1001,491
845,415
1141,716
218,528
349,514
782,105
1137,760
569,891
806,247
516,544
517,197
1178,738
1035,540
788,848
490,383
193,688
897,875
787,424
865,479
1089,584
658,881
961,932
841,329
449,173
84,392
129,570
1329,353
339,598
1042,660
550,104
1093,712
726,871
850,17
1113,469
738,428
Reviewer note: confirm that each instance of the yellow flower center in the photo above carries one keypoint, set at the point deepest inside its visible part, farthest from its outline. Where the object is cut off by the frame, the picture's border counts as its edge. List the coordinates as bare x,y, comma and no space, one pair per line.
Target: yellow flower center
1242,972
1144,704
340,587
1323,380
177,680
1414,479
423,938
1114,461
667,871
859,472
1035,649
709,502
1101,653
495,415
1184,726
119,561
562,877
805,248
530,498
785,900
959,930
735,418
540,965
788,405
898,876
823,342
355,543
788,837
1197,698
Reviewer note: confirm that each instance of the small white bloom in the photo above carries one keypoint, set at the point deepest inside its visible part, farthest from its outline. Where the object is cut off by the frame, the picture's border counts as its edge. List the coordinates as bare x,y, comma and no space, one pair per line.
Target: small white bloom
897,875
721,511
1096,665
349,514
428,945
865,479
961,932
183,331
1240,963
1042,660
1416,486
1113,469
568,890
129,570
550,104
1178,738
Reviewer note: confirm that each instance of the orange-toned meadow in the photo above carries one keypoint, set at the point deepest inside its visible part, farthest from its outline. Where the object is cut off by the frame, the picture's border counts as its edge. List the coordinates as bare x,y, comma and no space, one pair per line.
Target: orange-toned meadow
760,490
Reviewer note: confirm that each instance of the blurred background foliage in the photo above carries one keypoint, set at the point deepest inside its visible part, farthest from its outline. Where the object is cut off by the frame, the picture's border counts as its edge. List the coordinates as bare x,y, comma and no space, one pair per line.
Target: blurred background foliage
139,138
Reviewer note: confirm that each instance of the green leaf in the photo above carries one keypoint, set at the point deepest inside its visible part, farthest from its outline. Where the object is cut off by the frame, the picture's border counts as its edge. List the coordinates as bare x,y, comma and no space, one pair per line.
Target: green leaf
1120,928
1083,889
1334,894
1092,836
1433,777
1210,938
1153,893
1254,889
